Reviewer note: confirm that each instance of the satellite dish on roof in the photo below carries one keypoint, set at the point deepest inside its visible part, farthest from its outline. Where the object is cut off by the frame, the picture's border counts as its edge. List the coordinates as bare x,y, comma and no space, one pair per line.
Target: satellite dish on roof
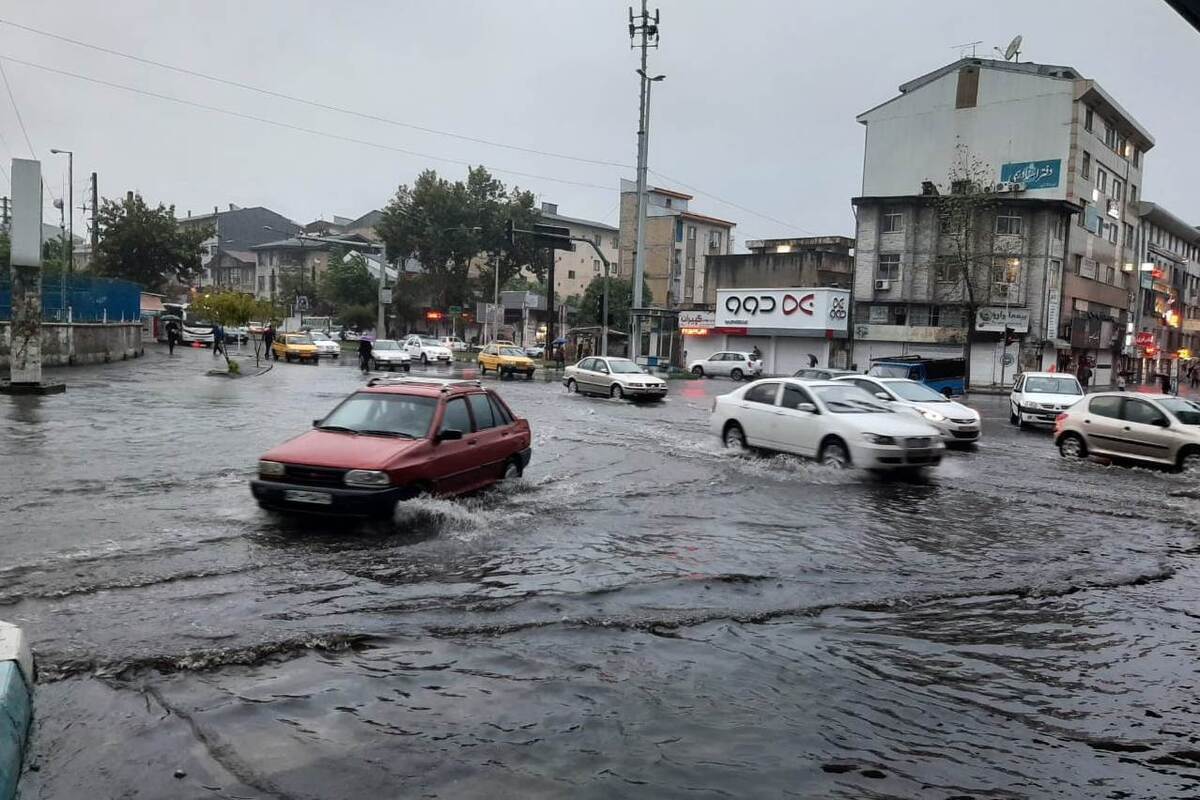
1013,51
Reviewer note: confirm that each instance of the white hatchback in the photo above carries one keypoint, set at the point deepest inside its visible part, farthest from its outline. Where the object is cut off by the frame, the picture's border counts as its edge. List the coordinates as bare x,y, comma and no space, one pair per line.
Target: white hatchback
1041,396
427,350
957,422
326,346
837,424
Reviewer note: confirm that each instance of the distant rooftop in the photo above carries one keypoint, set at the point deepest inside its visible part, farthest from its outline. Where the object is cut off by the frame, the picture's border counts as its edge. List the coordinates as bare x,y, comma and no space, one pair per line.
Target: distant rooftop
550,212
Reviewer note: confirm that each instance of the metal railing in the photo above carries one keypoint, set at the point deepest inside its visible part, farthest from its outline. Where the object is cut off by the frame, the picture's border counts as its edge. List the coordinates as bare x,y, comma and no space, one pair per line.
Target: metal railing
78,298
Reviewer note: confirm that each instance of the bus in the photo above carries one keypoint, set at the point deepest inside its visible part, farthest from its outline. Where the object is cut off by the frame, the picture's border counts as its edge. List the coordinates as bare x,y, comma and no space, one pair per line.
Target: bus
190,329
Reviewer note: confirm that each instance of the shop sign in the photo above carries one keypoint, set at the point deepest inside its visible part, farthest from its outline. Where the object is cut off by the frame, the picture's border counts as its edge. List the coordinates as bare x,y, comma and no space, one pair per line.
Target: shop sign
783,309
1034,174
997,318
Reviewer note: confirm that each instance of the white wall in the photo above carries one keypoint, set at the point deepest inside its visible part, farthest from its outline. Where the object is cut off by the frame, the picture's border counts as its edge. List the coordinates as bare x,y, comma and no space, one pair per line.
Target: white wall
1018,117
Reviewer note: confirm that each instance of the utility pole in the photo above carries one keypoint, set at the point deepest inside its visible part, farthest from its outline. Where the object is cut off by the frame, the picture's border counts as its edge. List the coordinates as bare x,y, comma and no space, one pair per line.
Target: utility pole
550,320
645,27
381,317
95,228
4,213
70,206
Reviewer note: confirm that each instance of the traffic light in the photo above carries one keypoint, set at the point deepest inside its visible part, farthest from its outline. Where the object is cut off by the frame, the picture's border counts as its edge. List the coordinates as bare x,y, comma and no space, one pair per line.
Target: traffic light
509,235
1010,336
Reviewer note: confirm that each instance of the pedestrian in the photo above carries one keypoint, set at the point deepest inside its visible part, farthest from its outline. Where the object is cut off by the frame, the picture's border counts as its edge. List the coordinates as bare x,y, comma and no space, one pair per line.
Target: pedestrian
756,353
172,337
812,360
218,334
268,339
1121,381
364,354
1085,374
1194,374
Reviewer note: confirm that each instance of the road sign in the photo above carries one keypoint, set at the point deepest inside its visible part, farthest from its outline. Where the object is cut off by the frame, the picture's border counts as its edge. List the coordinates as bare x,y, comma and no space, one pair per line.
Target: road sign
1008,359
386,296
455,311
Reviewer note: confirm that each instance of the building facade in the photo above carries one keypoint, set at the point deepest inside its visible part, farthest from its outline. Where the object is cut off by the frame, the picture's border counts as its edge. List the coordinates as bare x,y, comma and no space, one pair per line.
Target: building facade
1167,306
678,243
826,261
229,260
1050,166
573,271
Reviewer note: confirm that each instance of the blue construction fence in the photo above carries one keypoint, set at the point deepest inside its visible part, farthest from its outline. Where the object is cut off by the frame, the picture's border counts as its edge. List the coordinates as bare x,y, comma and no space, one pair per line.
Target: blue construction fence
79,298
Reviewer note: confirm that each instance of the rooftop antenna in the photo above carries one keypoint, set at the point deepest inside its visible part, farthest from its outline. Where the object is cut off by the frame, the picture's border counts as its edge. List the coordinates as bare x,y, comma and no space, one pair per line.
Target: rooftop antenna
962,48
1013,51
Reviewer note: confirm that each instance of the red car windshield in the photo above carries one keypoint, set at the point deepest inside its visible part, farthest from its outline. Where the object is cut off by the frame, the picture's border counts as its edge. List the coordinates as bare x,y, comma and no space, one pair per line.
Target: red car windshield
378,414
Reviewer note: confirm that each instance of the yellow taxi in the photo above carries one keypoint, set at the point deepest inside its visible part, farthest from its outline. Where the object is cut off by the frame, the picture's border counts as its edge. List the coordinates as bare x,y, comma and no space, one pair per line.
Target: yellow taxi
294,347
505,359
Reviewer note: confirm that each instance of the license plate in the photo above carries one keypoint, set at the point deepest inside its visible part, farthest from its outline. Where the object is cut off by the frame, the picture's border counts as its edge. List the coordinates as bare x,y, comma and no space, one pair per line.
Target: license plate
318,498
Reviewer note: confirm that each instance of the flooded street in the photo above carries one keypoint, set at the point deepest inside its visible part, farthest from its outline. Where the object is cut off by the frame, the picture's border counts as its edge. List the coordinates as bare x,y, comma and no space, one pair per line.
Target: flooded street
644,614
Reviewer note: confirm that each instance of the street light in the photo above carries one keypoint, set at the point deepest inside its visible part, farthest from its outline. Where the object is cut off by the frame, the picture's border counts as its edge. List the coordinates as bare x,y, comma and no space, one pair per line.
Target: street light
70,206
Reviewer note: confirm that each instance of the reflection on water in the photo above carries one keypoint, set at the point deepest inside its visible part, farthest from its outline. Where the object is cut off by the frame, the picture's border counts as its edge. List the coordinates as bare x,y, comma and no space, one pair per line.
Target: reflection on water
645,613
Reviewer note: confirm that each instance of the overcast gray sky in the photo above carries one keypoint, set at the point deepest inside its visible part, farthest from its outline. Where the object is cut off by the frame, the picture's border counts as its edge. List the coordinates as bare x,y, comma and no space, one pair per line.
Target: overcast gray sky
757,109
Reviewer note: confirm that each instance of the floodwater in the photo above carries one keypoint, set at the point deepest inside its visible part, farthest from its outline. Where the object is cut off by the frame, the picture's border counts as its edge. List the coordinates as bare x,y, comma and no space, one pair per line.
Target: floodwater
643,615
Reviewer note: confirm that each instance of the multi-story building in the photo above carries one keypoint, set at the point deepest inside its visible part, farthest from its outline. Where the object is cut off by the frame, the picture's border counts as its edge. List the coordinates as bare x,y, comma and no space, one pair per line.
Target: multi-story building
677,240
1167,309
1048,166
229,261
573,271
781,264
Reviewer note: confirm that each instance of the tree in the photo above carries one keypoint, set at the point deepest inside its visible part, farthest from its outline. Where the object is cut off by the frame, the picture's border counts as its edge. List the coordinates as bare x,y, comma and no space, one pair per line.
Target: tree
973,262
348,282
448,226
233,309
359,317
620,301
145,245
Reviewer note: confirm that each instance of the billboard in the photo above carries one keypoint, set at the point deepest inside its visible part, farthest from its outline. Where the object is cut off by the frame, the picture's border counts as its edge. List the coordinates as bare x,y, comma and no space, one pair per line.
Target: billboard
783,309
997,318
1034,174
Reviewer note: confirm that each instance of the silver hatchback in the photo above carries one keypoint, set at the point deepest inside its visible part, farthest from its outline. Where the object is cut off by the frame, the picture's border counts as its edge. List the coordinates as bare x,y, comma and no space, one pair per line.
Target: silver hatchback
1144,427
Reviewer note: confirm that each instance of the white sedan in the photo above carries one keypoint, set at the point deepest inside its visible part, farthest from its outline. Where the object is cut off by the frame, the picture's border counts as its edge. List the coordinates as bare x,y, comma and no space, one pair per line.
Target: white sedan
388,355
837,424
614,377
427,350
956,422
326,346
453,343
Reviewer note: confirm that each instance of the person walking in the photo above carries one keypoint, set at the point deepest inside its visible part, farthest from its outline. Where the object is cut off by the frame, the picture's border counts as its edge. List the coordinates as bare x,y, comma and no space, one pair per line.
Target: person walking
268,339
172,337
1194,380
1085,374
218,334
364,354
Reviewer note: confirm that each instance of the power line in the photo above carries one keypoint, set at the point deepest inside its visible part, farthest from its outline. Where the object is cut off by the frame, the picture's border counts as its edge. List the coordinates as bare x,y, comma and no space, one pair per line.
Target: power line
12,99
299,128
311,103
787,225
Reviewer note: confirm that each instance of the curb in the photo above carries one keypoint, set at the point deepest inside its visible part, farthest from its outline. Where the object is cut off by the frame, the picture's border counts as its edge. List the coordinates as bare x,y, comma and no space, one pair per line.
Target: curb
16,705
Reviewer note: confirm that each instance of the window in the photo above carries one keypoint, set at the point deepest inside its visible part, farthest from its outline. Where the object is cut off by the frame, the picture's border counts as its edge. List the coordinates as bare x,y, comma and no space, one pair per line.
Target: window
1101,180
691,263
596,239
1142,413
763,393
898,314
481,409
1082,219
615,243
456,418
951,316
893,222
1087,164
935,316
714,239
1060,228
918,316
1008,225
679,230
1006,271
499,412
668,203
1112,232
944,269
888,268
595,265
1106,407
1128,234
968,87
1109,273
691,233
793,396
262,283
571,274
1137,157
1088,119
1110,135
1118,189
1120,148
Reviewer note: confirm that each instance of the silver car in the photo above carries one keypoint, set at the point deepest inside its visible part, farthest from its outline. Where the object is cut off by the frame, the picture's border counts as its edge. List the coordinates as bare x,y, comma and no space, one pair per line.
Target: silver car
729,363
1144,427
614,377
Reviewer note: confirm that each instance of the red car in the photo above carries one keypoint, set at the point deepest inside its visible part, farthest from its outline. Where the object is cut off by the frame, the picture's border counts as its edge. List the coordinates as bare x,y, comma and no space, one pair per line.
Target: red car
392,440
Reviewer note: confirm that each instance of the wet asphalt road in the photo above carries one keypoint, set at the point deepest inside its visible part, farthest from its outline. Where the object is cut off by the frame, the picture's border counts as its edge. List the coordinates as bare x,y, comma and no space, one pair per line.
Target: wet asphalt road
644,615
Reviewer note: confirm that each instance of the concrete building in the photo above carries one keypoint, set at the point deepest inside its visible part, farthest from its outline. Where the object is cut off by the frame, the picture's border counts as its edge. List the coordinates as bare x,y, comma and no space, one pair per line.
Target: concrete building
1054,163
1167,310
573,271
678,241
229,260
826,261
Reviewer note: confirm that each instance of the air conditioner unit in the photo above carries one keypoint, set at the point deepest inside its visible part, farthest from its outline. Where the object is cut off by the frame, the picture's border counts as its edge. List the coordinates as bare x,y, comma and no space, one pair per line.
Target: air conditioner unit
882,286
1017,186
1003,187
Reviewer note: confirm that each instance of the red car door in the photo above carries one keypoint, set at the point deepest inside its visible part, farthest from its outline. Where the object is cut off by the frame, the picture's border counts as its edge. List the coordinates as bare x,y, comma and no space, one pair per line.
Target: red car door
492,437
455,461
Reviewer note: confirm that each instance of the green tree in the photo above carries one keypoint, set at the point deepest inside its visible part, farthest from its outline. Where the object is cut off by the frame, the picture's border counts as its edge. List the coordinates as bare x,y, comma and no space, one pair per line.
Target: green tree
348,281
359,317
145,245
233,309
448,225
620,300
296,281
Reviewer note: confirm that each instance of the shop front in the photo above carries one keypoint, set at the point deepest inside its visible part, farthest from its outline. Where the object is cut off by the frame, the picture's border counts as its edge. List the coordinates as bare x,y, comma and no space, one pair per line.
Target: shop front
792,328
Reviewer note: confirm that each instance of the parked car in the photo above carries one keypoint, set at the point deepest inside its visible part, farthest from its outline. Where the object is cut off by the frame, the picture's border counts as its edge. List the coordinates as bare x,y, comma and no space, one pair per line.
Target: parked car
387,354
1157,428
836,423
393,440
505,360
427,350
453,344
820,374
957,422
326,346
294,347
535,351
731,364
613,377
947,376
1042,396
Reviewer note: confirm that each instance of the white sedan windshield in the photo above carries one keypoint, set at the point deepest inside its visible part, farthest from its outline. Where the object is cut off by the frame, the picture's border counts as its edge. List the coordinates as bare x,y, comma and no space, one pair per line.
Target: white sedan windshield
623,366
850,400
1053,386
385,344
916,392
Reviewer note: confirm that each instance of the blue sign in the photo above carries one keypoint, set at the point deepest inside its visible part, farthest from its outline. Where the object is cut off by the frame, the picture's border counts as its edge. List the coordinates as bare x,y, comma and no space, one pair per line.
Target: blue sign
1034,174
